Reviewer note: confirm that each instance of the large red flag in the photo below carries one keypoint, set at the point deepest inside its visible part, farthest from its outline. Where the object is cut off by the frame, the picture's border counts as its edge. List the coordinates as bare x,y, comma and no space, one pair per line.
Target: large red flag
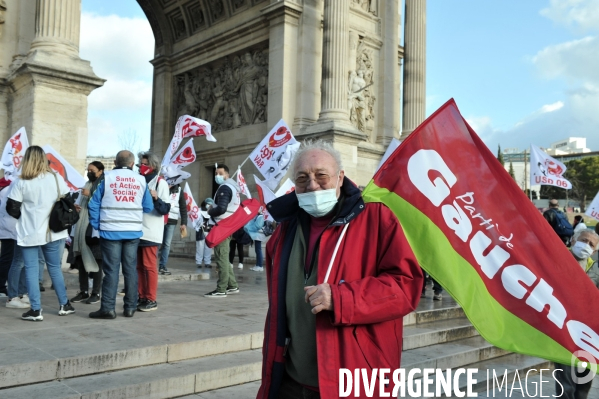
474,230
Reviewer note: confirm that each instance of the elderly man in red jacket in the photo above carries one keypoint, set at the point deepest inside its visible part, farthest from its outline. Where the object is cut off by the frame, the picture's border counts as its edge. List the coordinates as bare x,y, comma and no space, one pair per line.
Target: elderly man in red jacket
341,276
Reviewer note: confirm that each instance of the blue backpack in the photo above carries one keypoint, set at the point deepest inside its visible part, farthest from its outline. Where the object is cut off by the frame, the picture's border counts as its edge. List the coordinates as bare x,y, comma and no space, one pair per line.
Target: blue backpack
562,226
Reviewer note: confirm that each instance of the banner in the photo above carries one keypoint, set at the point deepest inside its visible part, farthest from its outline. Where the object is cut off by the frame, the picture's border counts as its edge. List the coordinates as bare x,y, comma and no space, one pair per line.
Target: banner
194,214
13,153
265,195
392,147
593,209
275,152
194,127
174,144
174,175
546,170
60,165
242,184
286,188
185,156
474,231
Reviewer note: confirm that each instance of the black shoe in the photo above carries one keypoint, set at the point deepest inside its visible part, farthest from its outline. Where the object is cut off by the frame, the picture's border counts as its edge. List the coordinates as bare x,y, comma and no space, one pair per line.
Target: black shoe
128,312
122,292
164,272
102,314
93,298
232,291
216,294
66,309
42,289
33,315
80,297
141,302
148,306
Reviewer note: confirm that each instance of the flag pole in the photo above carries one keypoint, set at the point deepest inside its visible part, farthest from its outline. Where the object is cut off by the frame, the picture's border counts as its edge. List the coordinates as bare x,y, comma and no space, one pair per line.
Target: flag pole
239,167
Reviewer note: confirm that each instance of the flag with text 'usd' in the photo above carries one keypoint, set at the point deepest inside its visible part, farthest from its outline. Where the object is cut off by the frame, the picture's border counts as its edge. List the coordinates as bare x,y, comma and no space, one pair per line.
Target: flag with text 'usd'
475,232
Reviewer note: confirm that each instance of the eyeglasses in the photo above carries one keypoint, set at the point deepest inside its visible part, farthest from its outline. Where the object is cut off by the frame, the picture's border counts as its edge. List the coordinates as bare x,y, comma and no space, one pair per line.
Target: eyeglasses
322,179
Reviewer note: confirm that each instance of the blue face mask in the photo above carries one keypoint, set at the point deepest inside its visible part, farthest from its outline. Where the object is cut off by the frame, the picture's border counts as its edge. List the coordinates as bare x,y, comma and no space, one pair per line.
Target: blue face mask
318,203
219,179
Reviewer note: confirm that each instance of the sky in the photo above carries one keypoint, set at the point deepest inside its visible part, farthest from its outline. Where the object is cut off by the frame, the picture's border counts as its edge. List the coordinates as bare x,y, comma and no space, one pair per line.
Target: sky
521,72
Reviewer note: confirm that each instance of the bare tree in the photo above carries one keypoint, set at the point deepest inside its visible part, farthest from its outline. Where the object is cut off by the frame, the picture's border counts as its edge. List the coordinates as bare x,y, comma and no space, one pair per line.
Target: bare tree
130,140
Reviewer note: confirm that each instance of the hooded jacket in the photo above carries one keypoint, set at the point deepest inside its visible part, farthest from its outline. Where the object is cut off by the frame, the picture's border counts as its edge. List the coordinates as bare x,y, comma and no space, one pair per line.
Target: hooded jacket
375,280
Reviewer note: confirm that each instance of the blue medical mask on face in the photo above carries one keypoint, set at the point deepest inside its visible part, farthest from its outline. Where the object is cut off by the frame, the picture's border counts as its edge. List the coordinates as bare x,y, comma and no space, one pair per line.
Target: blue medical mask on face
318,203
219,179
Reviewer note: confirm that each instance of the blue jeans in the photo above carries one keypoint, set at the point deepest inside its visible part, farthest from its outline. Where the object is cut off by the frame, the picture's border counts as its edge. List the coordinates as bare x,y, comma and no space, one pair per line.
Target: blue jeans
165,249
115,253
259,258
203,253
53,254
17,281
42,261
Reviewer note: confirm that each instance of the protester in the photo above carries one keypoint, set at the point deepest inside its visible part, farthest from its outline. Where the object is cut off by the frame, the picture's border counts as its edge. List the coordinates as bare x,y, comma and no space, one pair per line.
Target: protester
153,229
178,210
116,210
226,202
86,246
341,276
558,221
255,230
584,244
238,240
30,201
579,224
203,253
437,289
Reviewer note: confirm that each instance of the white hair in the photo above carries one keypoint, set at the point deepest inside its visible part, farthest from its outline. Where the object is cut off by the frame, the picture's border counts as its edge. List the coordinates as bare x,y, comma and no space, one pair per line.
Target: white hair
321,145
591,233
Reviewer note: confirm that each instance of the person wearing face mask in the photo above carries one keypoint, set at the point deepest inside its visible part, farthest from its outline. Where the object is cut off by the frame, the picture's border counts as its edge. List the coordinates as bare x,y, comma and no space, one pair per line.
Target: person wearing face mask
226,202
341,276
86,244
584,244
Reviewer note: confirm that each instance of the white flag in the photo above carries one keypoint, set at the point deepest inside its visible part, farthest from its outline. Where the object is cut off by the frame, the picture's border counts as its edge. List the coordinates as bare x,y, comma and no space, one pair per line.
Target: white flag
193,211
13,153
194,127
185,156
174,144
593,209
275,152
242,184
265,195
286,188
60,165
546,170
392,147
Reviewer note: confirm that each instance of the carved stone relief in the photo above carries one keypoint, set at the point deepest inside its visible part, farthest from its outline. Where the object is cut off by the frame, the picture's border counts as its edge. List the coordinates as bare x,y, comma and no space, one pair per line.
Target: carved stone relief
360,94
228,93
196,17
369,6
237,4
217,9
177,26
2,17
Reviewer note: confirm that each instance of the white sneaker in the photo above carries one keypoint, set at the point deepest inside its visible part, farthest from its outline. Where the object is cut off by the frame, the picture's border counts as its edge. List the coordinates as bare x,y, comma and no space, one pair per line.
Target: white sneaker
25,299
257,269
16,303
240,266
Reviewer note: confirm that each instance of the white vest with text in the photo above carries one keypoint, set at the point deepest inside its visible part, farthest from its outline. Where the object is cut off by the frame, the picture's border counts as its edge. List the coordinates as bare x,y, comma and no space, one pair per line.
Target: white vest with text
121,208
235,200
174,200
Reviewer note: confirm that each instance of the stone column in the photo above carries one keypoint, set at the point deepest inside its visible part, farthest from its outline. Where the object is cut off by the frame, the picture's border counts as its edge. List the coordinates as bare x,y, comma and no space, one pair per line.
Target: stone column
50,85
57,26
414,92
389,81
334,62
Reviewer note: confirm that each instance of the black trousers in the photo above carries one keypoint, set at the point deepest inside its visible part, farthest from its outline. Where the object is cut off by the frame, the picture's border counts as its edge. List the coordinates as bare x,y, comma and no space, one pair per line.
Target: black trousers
232,245
7,250
84,276
290,389
570,388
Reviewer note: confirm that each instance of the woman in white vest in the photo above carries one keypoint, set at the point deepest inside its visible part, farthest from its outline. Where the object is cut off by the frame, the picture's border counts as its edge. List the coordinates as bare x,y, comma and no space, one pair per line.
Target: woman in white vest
178,208
30,201
153,229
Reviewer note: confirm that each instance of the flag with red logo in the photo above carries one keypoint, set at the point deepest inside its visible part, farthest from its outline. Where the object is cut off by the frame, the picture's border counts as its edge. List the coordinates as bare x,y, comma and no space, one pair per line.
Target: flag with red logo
242,184
593,209
185,156
285,188
13,154
546,170
275,152
474,231
193,211
60,165
194,127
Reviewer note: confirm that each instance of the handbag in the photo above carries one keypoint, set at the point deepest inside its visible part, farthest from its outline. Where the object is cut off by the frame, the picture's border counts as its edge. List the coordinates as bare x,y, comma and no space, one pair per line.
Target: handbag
63,213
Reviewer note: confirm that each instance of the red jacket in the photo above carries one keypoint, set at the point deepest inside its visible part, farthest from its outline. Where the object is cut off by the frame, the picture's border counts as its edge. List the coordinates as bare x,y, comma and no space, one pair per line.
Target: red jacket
375,280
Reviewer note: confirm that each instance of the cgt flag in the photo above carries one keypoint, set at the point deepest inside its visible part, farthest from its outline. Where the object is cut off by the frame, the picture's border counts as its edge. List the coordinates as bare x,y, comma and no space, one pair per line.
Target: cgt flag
13,154
60,165
193,211
546,170
475,232
593,209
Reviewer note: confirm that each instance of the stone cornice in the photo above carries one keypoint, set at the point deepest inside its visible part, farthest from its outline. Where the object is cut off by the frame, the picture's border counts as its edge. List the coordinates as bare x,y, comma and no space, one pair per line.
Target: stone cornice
283,11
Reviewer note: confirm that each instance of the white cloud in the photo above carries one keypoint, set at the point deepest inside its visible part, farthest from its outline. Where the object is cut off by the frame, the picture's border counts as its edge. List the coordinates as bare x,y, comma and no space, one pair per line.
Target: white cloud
576,60
551,107
580,14
119,50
